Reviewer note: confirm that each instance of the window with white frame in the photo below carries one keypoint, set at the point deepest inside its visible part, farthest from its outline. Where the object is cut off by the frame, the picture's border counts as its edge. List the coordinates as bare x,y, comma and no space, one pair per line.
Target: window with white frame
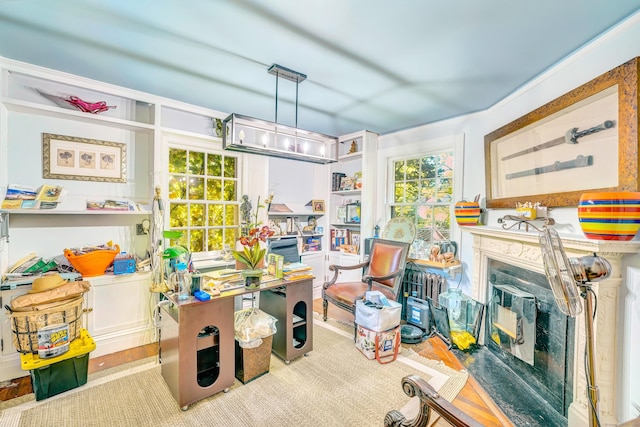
203,198
422,189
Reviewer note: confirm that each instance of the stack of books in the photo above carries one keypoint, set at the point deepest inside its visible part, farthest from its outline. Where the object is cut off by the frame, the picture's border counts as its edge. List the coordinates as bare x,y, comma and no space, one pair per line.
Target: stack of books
297,271
336,179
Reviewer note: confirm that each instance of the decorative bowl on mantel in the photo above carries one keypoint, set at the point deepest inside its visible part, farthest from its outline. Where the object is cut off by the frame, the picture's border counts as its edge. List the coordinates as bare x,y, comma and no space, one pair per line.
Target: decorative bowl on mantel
609,215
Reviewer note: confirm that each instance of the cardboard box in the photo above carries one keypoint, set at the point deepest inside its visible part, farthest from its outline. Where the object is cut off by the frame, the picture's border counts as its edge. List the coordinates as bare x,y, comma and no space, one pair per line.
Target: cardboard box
378,319
378,345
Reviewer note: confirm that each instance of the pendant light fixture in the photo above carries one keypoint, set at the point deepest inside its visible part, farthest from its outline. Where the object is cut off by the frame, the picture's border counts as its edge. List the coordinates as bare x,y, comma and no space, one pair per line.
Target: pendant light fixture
251,135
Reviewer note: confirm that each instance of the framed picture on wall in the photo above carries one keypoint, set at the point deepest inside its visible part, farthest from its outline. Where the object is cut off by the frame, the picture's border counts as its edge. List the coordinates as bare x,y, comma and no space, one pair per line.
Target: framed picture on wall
83,159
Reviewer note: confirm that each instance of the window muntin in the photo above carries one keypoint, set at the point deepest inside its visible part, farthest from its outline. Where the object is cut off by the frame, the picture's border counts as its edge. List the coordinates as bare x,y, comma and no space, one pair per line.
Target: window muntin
203,198
422,189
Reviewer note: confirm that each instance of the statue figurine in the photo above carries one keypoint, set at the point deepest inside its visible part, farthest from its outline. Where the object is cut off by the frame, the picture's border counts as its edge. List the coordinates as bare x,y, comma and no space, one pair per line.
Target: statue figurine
245,210
354,147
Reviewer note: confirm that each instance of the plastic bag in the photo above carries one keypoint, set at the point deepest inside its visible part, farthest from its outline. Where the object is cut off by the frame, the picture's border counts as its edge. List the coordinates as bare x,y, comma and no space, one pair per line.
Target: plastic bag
251,325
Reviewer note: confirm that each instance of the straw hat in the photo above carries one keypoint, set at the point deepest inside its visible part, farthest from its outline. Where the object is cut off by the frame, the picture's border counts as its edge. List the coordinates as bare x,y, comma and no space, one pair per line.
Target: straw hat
46,283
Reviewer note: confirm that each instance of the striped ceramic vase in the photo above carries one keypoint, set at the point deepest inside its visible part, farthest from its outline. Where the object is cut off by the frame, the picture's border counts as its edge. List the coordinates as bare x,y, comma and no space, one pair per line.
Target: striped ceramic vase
467,213
613,215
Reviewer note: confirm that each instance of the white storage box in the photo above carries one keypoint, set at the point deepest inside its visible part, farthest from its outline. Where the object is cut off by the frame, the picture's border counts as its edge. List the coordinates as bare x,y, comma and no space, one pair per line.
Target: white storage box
378,319
382,346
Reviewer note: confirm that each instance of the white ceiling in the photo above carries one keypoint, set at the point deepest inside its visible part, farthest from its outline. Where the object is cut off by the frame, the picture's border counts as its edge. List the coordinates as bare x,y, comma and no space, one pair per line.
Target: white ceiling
381,65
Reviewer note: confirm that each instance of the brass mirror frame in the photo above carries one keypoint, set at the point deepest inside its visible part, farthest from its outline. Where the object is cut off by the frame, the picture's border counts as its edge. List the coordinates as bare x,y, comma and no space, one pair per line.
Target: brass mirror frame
625,77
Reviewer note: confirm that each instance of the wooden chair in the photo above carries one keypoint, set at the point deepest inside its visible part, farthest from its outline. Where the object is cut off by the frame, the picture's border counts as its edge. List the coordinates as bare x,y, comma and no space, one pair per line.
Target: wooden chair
424,399
384,271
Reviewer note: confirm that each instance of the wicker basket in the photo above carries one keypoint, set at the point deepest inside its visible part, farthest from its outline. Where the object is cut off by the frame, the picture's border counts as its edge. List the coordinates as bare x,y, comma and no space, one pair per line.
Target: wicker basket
93,263
25,324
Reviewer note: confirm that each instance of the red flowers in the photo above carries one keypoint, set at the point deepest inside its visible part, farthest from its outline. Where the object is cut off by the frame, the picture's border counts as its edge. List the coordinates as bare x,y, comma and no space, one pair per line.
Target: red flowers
252,253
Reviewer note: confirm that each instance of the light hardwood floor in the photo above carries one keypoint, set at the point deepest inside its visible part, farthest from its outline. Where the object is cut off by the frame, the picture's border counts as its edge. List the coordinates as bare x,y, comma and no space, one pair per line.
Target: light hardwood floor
471,400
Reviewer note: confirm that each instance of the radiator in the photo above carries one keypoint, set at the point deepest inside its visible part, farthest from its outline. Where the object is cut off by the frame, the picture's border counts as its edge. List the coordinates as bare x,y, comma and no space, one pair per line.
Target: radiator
422,284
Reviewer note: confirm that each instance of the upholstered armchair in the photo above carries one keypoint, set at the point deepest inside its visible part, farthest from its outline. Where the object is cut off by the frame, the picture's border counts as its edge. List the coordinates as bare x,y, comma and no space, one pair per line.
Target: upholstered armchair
424,399
383,272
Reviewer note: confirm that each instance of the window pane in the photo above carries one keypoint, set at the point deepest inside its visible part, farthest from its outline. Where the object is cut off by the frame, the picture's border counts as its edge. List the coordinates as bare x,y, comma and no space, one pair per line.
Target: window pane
424,216
427,191
178,215
214,165
230,236
196,215
411,191
215,215
215,239
196,163
177,187
214,189
230,191
231,215
196,239
177,161
413,169
230,166
399,170
445,192
428,166
398,194
442,217
196,188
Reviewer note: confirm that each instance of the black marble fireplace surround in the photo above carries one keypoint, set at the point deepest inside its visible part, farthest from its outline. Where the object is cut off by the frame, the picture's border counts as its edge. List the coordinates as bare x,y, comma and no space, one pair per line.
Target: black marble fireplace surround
529,394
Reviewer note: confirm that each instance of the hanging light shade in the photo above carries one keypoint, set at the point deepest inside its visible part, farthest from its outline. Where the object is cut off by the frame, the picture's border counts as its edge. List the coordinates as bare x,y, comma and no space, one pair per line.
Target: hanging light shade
247,134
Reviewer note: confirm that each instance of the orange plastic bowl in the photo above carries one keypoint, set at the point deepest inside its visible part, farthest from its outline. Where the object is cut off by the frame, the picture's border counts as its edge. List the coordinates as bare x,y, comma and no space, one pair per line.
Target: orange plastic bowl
93,263
613,215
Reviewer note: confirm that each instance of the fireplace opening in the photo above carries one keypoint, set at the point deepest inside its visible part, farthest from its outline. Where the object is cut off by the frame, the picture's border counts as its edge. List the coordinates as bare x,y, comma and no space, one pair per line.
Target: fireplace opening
527,332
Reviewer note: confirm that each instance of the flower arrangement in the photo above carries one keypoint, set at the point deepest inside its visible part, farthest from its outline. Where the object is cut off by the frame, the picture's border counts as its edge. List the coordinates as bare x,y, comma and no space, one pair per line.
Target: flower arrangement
252,233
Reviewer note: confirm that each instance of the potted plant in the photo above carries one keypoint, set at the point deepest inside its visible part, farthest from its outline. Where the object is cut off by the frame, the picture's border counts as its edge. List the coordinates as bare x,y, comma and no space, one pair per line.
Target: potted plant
252,233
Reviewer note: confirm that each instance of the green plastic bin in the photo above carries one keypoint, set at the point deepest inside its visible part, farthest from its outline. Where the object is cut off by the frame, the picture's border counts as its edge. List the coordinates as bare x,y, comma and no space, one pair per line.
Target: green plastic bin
60,377
61,373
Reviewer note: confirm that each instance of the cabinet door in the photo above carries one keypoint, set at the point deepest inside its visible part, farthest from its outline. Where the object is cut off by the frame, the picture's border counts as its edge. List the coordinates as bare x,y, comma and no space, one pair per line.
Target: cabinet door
316,262
8,348
345,275
120,304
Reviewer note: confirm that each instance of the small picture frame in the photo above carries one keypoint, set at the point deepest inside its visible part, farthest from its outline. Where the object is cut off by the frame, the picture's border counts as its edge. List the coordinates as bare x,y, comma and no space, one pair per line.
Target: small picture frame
352,213
346,183
317,206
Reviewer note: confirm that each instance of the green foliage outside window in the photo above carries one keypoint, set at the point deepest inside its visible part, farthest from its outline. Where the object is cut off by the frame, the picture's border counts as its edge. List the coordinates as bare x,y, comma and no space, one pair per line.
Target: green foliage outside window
203,199
423,191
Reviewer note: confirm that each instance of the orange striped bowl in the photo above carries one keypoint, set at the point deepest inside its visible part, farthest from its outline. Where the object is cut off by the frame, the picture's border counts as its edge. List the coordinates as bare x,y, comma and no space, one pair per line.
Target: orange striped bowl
613,215
467,213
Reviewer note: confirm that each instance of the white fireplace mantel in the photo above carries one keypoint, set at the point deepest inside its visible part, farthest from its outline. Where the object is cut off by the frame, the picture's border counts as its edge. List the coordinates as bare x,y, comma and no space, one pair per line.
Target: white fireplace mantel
522,249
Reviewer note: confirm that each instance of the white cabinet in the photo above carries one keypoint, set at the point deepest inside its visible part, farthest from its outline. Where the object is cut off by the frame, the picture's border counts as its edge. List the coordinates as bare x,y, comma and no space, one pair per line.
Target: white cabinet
316,262
118,316
120,308
9,358
345,275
